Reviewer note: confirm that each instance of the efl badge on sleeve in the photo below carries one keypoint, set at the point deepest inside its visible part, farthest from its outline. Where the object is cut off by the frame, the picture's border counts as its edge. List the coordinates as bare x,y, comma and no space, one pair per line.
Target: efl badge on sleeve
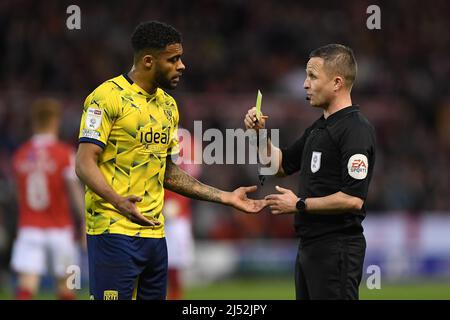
93,118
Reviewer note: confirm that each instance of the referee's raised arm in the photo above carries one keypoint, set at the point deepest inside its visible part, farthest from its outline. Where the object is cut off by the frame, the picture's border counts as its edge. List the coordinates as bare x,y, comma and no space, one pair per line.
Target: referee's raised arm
268,153
335,157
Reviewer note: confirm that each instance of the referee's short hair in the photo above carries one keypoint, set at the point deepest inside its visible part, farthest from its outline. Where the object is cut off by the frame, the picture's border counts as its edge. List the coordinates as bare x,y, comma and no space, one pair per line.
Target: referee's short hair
153,35
338,60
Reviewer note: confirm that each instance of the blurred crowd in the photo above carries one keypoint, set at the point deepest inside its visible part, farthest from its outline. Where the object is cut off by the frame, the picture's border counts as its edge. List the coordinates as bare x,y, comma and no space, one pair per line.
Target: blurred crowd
231,49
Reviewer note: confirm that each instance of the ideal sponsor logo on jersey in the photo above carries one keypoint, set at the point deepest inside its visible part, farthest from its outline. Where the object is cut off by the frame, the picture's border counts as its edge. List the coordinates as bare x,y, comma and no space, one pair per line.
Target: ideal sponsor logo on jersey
358,166
155,137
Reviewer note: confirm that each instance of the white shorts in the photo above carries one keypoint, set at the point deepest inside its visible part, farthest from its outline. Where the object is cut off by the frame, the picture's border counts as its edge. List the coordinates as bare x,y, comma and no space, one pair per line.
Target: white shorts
180,242
35,248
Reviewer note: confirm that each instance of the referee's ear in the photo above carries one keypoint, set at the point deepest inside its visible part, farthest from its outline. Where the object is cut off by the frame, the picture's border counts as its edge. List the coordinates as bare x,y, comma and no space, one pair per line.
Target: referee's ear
339,83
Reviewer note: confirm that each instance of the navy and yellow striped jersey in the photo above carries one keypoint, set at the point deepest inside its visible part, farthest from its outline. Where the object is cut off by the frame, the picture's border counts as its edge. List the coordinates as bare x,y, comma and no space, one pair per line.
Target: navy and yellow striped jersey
137,131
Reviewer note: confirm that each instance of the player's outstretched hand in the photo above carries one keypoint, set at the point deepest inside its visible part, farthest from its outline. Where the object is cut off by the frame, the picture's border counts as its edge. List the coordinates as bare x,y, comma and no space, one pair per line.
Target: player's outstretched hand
283,202
127,207
238,199
251,122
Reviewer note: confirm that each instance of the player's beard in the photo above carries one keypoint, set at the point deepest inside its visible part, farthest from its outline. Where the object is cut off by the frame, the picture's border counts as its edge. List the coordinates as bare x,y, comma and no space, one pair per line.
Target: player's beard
163,82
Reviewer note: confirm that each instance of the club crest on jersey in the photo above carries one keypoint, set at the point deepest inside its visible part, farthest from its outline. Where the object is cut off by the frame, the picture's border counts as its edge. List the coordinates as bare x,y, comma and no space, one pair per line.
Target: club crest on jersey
93,118
315,161
168,114
358,166
110,295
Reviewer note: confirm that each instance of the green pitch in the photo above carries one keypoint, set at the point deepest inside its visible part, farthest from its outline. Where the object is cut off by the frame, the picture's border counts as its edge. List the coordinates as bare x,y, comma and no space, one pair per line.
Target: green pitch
283,289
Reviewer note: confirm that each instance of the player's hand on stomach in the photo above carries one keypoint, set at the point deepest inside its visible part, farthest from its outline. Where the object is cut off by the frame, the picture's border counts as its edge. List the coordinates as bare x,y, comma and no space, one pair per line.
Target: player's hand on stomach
238,199
127,207
251,122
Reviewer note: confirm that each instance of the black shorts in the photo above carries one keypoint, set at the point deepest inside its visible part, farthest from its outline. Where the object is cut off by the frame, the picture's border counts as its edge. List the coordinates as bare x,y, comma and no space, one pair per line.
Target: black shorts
330,268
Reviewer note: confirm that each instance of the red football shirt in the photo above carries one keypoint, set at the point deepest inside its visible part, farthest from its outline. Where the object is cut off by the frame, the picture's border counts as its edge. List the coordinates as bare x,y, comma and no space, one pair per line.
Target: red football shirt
41,167
176,205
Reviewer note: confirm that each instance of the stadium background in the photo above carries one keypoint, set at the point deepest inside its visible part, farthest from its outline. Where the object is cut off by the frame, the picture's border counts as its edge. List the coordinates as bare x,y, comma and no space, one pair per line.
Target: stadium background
232,48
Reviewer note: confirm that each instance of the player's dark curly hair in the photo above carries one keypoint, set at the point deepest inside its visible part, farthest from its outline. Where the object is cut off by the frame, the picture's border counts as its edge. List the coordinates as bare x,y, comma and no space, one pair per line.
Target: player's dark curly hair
338,59
153,35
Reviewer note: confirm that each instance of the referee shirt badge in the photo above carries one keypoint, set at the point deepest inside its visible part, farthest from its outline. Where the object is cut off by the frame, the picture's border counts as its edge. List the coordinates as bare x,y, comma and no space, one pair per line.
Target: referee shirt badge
358,166
315,161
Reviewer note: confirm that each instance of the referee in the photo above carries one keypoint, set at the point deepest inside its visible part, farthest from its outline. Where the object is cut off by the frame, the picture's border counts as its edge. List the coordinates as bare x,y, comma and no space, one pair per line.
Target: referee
335,157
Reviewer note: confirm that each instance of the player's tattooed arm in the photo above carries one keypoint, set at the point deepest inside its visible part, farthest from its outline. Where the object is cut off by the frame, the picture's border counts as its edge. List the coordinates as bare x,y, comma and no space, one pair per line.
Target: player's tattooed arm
179,181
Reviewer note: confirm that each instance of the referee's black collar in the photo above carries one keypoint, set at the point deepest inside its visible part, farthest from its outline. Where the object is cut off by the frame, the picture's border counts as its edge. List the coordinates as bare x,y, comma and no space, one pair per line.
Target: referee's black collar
340,114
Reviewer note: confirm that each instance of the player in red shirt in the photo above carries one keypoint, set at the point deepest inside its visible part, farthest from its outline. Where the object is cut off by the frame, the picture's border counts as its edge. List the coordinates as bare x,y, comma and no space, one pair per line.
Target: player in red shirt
45,178
177,212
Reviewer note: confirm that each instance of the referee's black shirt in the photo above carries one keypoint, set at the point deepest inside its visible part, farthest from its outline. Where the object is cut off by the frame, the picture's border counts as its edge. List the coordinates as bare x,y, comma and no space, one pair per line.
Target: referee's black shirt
334,154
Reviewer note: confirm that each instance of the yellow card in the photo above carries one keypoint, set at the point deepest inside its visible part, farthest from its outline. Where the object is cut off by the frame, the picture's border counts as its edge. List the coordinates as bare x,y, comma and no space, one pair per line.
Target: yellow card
258,105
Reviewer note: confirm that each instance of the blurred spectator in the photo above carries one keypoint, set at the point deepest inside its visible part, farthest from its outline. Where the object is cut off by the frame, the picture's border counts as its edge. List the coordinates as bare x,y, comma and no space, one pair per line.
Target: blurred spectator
233,48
